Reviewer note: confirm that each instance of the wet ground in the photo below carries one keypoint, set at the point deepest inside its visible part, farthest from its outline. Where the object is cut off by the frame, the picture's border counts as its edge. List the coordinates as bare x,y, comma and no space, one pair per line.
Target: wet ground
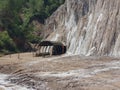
7,85
59,73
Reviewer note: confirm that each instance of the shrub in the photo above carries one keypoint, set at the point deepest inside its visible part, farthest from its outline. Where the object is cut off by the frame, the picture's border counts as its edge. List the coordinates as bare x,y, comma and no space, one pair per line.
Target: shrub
6,43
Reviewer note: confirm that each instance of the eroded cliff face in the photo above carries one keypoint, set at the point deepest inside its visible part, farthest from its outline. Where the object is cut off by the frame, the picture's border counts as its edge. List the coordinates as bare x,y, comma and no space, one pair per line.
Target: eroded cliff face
87,27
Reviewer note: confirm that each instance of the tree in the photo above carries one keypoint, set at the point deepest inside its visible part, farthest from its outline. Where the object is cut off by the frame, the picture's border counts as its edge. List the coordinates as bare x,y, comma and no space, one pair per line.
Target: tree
6,43
16,17
13,23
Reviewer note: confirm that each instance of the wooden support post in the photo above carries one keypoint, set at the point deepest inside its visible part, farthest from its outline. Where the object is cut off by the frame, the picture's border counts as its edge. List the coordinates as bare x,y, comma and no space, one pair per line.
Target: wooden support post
39,50
47,49
44,50
51,50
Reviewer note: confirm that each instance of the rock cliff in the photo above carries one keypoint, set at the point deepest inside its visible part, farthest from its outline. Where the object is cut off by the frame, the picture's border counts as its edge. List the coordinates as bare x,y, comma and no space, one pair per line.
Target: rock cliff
87,27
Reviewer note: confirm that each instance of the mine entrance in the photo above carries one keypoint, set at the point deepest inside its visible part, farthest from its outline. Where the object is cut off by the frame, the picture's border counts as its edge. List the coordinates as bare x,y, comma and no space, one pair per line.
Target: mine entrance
50,48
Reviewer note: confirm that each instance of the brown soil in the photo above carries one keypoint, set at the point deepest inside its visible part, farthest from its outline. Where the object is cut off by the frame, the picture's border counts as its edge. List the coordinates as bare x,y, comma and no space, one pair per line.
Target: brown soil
62,72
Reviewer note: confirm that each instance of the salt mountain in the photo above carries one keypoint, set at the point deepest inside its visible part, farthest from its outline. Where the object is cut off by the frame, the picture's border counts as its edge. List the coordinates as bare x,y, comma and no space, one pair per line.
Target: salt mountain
87,27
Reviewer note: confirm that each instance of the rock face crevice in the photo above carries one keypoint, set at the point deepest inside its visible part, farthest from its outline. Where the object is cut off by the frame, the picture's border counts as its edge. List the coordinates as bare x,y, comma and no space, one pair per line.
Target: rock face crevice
87,27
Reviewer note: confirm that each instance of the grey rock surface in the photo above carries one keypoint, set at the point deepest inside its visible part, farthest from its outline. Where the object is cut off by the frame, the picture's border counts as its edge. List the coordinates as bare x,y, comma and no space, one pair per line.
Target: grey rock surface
87,27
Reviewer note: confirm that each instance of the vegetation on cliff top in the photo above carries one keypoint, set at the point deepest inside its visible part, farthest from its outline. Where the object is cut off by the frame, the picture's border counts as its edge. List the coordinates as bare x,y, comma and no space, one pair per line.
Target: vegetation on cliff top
16,18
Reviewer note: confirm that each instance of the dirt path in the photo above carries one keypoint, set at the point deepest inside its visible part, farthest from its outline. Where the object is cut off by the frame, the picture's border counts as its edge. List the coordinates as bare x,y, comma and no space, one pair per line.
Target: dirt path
62,72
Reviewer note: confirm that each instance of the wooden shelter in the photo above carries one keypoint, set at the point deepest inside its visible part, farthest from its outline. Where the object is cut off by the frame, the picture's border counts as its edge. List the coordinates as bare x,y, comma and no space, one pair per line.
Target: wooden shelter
50,48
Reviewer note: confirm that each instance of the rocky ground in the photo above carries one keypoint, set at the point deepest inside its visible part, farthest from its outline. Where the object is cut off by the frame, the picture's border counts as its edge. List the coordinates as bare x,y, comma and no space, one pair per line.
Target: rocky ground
59,73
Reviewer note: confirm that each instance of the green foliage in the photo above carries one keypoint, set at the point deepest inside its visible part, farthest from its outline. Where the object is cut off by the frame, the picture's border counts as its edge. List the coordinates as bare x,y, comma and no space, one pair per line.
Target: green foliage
33,39
41,9
16,17
6,43
52,5
3,4
16,28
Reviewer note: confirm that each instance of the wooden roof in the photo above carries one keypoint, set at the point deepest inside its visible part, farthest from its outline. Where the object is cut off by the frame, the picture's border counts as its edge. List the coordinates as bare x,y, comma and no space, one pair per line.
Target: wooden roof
50,43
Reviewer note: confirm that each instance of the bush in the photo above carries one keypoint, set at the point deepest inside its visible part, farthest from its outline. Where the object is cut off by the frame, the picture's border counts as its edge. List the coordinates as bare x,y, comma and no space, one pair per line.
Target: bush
6,43
16,17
